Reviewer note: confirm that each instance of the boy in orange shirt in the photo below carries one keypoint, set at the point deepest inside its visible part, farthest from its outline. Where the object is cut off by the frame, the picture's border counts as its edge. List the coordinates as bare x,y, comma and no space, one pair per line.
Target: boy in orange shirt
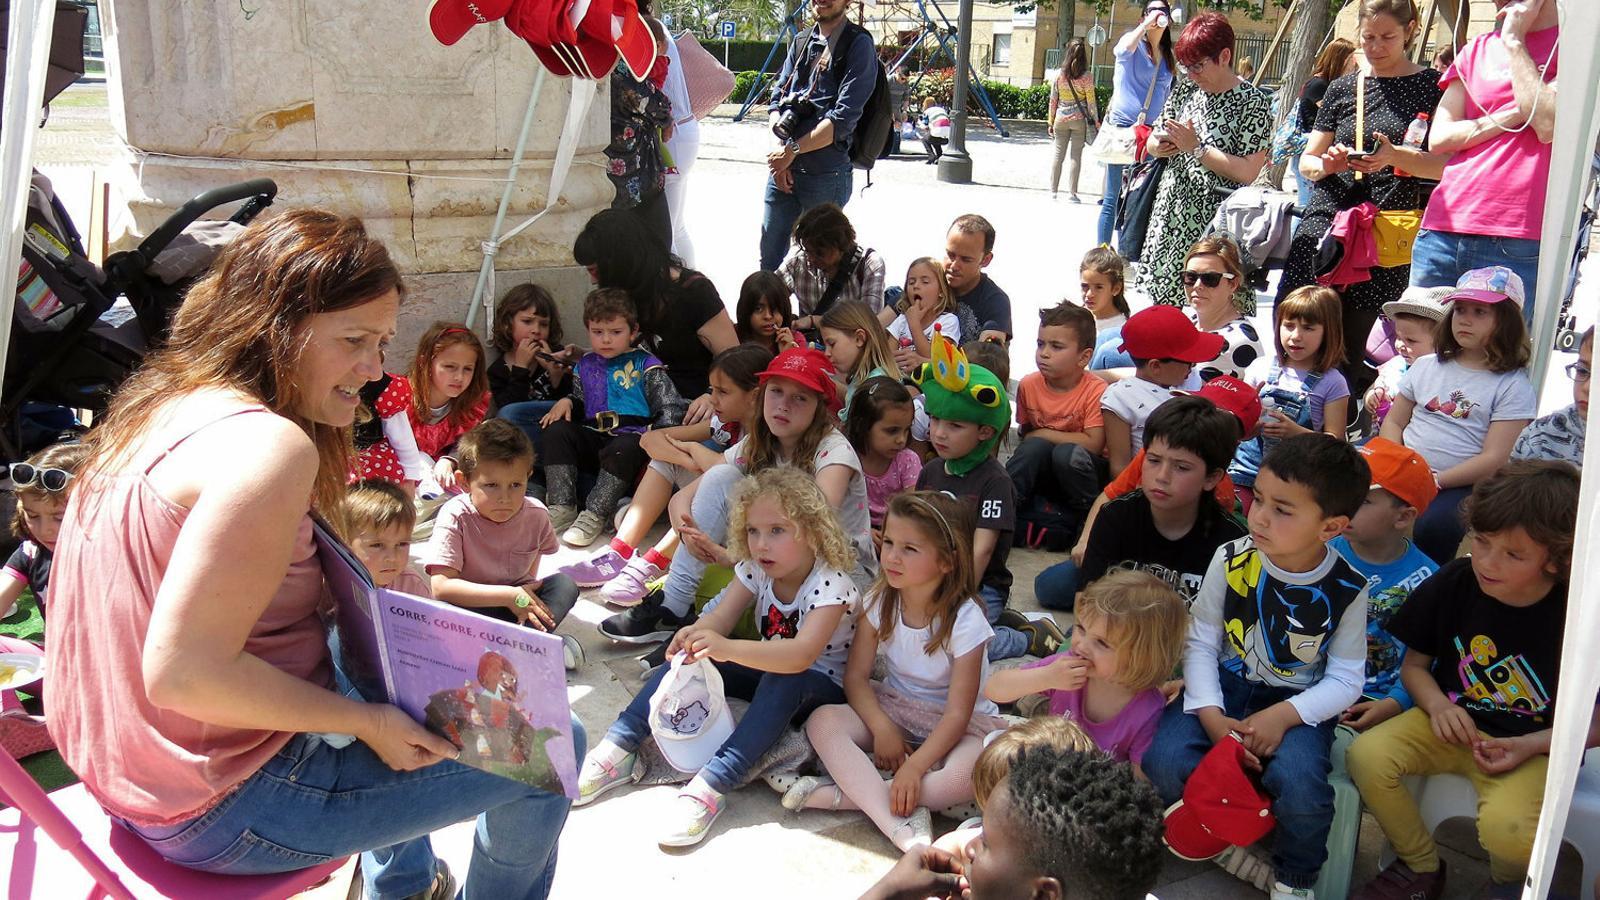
1058,413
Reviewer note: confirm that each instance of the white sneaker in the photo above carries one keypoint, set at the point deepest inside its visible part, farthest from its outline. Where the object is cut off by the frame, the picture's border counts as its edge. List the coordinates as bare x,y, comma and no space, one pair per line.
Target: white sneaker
571,652
1281,891
598,776
693,820
1248,864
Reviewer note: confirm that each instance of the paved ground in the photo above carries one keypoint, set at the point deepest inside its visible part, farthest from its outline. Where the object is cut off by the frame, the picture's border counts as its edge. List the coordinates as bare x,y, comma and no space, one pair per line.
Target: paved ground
609,850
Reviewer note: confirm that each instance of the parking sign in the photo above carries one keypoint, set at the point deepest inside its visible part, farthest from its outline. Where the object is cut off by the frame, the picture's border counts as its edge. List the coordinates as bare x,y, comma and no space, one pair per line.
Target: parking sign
725,30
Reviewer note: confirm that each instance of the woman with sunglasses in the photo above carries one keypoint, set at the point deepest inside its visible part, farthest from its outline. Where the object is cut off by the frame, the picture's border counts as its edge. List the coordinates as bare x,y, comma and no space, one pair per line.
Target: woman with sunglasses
1214,286
192,687
1215,131
1139,86
41,486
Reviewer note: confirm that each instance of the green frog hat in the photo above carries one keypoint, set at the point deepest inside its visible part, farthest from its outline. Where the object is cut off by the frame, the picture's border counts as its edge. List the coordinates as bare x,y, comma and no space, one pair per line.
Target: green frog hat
955,389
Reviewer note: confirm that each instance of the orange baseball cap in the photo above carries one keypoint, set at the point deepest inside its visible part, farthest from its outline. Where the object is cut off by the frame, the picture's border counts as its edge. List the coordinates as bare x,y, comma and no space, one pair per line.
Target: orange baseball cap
1401,471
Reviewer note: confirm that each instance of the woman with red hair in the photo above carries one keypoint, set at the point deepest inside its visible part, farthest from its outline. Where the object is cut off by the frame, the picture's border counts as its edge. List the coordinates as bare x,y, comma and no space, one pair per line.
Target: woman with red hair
1215,130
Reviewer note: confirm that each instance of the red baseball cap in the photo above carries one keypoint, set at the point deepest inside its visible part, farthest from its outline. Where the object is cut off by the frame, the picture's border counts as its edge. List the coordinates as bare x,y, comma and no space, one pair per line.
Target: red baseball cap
1222,806
1164,332
1401,471
592,42
807,367
1234,396
450,20
632,38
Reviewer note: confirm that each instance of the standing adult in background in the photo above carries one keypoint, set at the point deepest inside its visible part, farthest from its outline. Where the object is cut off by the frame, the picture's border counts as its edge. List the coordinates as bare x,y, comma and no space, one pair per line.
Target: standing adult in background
1215,131
1336,60
640,114
1396,91
192,688
1145,68
683,145
899,93
817,100
1072,115
1497,119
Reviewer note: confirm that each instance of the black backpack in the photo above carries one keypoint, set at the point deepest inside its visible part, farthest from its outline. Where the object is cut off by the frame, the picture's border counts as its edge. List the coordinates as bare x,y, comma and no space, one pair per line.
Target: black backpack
1044,524
871,136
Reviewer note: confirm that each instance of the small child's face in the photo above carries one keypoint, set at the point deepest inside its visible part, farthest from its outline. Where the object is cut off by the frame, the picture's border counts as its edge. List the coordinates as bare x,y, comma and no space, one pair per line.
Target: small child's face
1302,340
765,321
1174,479
1512,567
384,552
611,337
1413,338
529,325
729,401
910,556
953,440
997,867
42,514
1099,293
842,347
1285,521
922,286
1058,355
889,434
1472,324
1382,517
788,408
1580,385
775,542
1092,641
452,371
497,489
1166,372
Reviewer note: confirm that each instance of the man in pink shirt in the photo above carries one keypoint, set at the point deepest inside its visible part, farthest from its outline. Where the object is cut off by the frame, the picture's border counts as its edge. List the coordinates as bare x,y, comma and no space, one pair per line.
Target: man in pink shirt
1498,118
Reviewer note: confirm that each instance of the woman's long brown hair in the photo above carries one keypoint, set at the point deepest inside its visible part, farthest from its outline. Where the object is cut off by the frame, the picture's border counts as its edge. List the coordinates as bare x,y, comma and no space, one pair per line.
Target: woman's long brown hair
243,328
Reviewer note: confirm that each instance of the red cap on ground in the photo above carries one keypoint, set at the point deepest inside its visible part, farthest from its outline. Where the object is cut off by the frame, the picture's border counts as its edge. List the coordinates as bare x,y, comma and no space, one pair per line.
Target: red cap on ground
1164,332
1222,806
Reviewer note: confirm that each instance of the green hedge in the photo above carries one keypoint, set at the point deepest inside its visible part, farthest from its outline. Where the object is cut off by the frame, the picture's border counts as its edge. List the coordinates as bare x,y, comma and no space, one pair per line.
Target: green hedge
1010,101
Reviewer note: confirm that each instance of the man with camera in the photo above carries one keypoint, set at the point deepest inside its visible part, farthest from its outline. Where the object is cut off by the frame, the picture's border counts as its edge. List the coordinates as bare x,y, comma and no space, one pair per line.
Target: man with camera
817,100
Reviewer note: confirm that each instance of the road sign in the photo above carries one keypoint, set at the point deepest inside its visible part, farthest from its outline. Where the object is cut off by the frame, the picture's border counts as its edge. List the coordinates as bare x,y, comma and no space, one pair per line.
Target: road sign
725,30
1096,36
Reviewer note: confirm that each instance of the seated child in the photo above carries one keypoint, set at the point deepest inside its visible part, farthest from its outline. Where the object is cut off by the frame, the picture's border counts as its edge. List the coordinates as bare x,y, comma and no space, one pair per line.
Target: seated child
1125,645
42,485
1277,650
1559,435
927,717
1414,317
926,308
1484,642
423,413
1063,824
792,559
879,428
378,517
1375,543
678,456
618,392
1000,750
858,346
1059,416
486,543
1102,277
532,368
1171,523
765,310
968,414
1165,347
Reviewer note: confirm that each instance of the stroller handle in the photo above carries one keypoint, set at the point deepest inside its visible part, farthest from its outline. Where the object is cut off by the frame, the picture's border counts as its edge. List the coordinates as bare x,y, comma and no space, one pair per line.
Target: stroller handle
259,192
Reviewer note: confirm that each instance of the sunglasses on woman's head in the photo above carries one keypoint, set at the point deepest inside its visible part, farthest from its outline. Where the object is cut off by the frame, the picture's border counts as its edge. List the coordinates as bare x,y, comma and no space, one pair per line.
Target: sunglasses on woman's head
26,475
1209,279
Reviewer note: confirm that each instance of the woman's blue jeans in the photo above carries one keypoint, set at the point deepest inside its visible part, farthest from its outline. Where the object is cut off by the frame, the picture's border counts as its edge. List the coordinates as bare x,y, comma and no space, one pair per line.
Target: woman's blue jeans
1109,200
1439,258
775,701
1296,776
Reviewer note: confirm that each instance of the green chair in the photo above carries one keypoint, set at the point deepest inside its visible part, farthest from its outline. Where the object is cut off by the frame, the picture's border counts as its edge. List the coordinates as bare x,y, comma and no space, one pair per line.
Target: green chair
1334,882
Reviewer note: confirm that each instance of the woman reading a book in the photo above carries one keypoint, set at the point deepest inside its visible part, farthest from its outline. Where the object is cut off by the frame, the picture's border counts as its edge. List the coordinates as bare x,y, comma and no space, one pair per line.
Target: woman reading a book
192,687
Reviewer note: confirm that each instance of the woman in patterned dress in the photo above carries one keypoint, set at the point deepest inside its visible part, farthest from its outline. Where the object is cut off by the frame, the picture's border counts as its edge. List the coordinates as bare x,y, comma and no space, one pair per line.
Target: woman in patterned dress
1216,130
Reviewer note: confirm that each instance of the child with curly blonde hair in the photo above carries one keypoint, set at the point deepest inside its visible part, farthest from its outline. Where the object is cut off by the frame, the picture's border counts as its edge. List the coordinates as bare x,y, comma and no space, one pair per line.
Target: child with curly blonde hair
792,559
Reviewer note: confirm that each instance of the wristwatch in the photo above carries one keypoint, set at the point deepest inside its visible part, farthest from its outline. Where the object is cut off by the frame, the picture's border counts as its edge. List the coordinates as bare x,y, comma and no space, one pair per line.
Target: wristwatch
792,145
1199,150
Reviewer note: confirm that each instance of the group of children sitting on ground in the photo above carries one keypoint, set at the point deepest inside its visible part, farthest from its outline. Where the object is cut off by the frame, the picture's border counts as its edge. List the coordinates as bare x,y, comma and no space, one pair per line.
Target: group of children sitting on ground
846,523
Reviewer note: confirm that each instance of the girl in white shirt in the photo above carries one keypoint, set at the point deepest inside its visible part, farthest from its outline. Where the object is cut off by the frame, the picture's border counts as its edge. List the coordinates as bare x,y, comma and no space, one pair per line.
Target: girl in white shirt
928,305
926,720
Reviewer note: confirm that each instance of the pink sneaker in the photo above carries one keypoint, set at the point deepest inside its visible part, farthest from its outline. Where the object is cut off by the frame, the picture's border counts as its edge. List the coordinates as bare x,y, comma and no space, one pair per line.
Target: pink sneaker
631,584
595,571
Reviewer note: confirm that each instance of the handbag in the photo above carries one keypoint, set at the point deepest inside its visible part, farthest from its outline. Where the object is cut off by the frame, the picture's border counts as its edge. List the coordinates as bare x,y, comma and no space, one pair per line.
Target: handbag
1140,184
1118,145
1396,231
1289,141
1089,126
708,81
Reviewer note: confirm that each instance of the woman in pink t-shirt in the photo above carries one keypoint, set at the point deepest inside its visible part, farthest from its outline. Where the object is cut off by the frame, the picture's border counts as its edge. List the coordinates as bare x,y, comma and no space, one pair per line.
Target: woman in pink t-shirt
192,688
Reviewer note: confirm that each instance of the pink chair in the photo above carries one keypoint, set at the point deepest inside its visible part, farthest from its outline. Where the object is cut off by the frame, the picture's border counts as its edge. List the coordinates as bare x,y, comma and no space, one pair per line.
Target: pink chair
88,855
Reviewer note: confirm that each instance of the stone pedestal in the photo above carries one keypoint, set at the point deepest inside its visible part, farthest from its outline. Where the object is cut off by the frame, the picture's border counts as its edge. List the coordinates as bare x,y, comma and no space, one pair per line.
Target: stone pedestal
356,108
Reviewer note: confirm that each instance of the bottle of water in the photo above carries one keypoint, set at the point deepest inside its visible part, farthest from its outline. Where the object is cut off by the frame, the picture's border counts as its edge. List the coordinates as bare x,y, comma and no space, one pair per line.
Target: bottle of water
1269,405
1416,134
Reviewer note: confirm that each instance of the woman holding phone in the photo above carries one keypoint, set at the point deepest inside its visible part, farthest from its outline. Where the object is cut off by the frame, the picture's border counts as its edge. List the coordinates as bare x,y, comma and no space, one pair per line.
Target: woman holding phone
1145,68
1393,92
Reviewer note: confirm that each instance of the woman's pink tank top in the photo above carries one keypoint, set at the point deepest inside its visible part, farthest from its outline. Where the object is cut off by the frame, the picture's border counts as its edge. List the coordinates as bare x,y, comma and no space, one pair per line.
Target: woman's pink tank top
148,765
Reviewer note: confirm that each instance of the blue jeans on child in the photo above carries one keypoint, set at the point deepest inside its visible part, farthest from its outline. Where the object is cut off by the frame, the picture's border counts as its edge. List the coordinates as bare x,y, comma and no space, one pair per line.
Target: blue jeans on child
311,803
1007,643
1296,776
1057,587
526,416
775,701
1439,258
1108,202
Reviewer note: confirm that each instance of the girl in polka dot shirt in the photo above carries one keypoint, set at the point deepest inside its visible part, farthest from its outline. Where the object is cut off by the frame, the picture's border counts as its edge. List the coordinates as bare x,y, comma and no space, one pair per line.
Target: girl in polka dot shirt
925,721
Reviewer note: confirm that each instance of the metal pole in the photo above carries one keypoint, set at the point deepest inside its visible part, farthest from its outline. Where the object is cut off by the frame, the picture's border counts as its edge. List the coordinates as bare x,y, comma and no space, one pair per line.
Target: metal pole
955,166
492,246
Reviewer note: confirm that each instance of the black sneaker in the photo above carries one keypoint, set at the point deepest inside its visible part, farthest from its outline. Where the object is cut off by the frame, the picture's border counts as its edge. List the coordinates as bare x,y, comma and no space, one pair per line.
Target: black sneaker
646,623
653,660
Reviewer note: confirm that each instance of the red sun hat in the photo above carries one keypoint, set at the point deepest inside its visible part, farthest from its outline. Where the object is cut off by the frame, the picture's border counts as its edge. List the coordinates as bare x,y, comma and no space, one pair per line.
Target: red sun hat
1234,396
809,368
450,20
1223,806
1164,332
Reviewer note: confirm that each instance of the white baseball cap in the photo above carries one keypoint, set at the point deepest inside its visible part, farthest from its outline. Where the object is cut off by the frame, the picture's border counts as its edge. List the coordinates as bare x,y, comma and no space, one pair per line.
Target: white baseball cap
689,715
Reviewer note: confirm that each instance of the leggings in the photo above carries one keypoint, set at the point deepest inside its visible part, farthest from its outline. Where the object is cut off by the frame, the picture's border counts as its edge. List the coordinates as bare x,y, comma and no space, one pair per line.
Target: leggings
1069,137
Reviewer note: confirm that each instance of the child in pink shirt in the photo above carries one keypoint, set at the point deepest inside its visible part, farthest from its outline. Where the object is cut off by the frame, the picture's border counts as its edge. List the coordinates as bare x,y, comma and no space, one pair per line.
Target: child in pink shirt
486,544
379,517
1126,644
